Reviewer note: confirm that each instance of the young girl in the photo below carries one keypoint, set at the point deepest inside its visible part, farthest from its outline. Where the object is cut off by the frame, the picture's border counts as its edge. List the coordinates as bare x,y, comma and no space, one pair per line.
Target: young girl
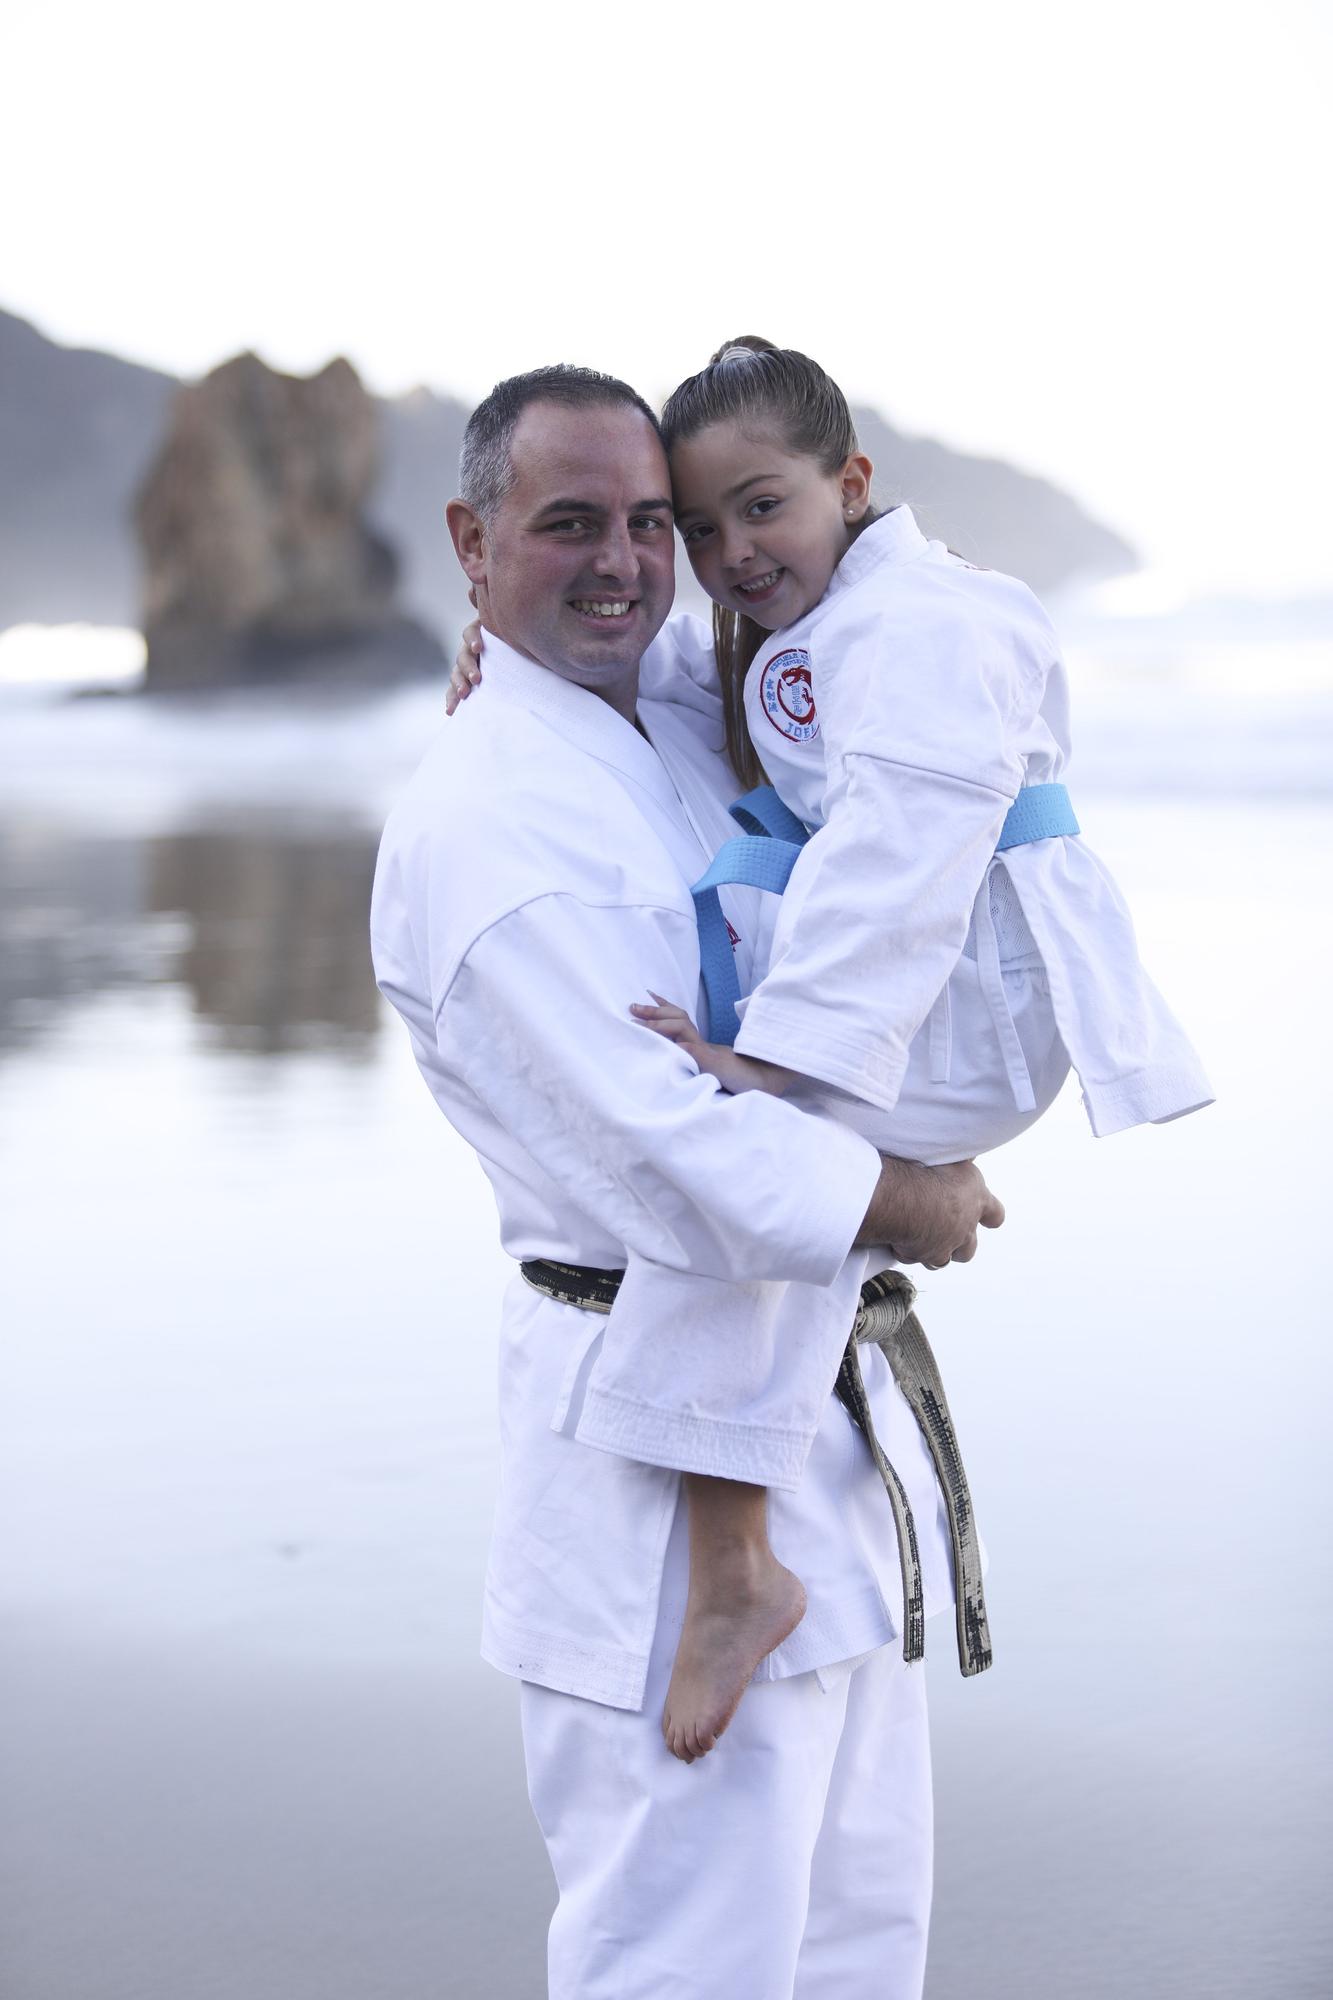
946,946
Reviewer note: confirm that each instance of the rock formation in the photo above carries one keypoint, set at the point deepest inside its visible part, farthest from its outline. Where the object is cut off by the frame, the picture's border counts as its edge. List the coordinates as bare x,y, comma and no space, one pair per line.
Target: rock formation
258,560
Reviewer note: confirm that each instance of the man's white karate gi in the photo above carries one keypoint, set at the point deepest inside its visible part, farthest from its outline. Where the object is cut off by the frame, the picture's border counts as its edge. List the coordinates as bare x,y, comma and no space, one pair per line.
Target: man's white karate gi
533,880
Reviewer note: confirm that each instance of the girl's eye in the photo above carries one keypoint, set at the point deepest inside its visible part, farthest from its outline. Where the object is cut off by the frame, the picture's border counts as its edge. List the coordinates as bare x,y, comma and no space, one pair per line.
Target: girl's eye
694,534
761,507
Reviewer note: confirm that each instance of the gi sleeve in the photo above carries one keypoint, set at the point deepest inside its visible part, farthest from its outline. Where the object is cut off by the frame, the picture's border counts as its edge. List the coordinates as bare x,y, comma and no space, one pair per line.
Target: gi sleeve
920,712
535,1020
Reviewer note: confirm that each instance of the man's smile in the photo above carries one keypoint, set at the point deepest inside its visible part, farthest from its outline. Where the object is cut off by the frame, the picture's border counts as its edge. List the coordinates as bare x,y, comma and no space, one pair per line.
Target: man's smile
603,608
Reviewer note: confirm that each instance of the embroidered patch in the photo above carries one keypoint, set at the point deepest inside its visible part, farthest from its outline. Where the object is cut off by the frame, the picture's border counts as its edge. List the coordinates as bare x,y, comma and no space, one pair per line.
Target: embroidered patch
788,696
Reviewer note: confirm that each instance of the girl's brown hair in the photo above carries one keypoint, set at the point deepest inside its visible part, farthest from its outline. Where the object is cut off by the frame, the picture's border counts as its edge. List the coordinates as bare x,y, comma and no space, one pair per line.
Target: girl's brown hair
752,383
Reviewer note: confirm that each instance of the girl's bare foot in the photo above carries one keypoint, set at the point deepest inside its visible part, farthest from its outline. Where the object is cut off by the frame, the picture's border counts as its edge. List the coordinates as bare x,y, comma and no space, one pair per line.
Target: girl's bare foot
742,1603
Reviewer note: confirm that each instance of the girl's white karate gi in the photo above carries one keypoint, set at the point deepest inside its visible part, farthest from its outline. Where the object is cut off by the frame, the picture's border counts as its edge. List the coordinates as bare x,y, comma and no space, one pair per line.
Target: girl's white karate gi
937,991
899,719
531,883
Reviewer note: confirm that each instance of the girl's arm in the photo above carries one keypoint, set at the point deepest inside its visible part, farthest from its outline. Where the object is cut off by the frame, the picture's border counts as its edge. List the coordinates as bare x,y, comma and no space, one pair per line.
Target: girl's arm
735,1073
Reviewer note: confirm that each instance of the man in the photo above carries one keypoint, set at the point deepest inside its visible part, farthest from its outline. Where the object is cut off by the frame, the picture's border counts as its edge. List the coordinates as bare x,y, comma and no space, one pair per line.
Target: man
533,881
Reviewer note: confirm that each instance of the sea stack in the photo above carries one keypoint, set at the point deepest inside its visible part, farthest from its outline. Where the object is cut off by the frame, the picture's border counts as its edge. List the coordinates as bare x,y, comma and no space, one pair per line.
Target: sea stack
259,565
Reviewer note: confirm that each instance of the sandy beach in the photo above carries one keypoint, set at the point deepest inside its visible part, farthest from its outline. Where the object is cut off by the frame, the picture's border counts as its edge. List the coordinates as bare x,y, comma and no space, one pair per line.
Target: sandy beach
250,1290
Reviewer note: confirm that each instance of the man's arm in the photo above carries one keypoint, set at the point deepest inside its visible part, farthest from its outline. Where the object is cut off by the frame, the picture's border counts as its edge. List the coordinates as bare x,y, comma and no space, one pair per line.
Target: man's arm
927,1215
675,1169
535,1020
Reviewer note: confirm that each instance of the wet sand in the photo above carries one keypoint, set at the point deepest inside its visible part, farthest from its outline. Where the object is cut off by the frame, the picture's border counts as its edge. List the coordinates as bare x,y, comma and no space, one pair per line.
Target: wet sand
246,1745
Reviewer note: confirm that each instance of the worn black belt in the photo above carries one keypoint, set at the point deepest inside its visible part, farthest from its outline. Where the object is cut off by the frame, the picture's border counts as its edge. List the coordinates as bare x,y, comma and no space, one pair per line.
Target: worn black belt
884,1319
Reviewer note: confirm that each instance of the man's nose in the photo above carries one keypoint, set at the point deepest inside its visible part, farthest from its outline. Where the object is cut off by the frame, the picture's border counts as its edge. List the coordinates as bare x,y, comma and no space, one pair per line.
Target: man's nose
615,556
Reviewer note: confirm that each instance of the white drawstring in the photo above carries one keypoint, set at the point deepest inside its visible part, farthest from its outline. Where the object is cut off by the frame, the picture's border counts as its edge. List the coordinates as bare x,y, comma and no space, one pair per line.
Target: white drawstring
941,1038
992,985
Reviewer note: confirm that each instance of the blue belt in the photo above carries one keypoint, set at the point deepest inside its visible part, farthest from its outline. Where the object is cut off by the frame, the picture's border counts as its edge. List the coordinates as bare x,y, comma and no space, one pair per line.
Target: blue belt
764,855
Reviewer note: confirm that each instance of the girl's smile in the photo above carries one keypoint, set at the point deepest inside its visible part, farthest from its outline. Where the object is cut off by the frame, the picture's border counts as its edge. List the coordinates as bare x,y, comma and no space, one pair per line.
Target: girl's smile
764,528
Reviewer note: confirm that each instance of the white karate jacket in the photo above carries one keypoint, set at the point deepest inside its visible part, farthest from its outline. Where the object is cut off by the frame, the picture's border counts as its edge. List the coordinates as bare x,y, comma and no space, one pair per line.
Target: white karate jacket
532,881
900,719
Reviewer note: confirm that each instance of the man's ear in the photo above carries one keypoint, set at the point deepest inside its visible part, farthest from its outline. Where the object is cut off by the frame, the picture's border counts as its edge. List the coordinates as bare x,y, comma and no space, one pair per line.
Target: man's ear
469,540
856,478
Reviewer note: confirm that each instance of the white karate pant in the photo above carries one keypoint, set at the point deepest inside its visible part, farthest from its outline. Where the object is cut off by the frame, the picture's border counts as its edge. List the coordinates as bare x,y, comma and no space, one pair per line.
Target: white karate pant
792,1863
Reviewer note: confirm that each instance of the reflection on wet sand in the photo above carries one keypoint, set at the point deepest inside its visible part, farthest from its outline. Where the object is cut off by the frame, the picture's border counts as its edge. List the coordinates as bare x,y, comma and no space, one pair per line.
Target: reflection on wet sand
278,955
263,925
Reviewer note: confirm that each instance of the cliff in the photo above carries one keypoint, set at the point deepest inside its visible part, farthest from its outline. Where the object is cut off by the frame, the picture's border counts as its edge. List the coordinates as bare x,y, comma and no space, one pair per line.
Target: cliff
78,431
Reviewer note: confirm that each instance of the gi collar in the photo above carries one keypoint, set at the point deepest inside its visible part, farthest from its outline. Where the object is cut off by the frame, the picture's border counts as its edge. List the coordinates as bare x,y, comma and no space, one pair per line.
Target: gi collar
893,538
577,714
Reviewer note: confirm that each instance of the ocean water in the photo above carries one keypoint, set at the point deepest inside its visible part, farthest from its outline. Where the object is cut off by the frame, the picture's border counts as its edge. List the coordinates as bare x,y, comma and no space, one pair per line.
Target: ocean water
249,1290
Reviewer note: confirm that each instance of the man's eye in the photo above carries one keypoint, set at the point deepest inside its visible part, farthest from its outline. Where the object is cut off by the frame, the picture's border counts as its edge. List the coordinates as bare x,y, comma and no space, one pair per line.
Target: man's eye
652,522
572,526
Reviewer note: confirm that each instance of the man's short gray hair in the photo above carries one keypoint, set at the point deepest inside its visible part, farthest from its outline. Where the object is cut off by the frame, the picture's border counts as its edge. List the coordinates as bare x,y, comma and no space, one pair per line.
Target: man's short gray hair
485,467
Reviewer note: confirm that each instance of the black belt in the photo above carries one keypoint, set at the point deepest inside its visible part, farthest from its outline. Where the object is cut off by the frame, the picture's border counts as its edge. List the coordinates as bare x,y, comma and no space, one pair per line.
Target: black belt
884,1319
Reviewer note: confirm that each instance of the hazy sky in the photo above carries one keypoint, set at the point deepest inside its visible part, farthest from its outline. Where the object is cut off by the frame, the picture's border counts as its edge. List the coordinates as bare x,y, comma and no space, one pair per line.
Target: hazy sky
1091,239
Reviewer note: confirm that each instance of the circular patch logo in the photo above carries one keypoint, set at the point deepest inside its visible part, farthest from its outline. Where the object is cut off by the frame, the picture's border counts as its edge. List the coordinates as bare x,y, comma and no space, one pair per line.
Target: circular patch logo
788,696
